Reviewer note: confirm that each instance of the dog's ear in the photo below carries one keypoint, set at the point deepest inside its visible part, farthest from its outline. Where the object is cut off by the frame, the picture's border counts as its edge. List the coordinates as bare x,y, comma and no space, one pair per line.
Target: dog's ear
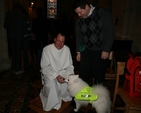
76,80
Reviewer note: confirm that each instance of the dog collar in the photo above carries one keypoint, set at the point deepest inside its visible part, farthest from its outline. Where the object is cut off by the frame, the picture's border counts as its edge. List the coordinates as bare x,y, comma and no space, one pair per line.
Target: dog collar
86,94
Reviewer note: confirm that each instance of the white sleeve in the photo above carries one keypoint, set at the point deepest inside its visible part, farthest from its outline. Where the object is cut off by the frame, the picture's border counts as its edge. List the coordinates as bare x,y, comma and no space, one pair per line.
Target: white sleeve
69,69
46,67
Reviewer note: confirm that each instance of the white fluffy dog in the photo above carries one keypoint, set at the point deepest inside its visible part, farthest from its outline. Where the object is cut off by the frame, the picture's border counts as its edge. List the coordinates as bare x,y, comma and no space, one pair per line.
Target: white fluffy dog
103,102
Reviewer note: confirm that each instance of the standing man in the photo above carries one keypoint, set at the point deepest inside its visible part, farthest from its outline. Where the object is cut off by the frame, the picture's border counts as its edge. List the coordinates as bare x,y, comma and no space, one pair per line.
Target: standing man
15,24
56,65
94,37
40,30
27,36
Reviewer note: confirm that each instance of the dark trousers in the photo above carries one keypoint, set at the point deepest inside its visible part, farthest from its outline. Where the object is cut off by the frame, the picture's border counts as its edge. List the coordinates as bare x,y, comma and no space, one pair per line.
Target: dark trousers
25,52
92,66
16,48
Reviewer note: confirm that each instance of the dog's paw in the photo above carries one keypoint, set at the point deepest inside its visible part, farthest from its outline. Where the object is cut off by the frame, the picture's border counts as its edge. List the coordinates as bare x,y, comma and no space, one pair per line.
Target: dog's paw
76,110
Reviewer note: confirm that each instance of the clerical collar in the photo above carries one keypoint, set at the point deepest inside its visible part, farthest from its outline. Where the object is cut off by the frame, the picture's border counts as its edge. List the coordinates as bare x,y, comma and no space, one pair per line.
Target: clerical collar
91,10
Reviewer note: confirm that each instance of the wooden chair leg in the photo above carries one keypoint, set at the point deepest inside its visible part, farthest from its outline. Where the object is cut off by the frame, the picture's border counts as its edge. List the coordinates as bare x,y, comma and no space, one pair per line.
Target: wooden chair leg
127,108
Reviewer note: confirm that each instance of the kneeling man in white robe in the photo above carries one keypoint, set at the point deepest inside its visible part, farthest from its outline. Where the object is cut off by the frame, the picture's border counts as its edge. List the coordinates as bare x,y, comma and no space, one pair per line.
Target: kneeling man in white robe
56,65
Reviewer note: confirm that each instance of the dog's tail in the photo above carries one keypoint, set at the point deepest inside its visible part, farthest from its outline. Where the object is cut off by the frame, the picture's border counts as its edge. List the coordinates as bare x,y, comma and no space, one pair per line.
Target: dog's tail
104,97
101,90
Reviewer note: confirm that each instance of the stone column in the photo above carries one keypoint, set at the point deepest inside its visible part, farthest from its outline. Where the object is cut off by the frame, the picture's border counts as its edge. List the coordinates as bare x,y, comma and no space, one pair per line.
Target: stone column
5,63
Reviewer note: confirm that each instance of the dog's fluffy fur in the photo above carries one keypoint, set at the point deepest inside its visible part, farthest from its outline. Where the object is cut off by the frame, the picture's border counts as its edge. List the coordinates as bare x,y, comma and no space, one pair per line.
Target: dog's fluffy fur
102,104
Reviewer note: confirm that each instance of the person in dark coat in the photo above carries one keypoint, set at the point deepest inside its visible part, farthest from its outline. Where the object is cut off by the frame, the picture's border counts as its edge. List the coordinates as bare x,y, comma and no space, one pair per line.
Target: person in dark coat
26,41
40,29
15,24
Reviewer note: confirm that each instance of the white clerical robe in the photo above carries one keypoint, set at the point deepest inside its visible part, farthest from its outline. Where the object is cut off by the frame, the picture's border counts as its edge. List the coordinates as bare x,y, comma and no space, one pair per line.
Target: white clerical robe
55,62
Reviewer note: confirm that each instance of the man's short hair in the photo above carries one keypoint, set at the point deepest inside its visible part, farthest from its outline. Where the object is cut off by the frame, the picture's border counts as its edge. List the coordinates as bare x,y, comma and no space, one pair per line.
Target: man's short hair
61,33
80,3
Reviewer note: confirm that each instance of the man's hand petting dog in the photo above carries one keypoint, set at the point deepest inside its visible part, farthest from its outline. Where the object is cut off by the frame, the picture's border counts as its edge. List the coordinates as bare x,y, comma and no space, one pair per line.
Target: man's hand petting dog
60,79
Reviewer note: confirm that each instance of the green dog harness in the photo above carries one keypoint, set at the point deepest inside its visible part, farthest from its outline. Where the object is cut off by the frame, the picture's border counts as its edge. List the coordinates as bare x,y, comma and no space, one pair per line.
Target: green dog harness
86,94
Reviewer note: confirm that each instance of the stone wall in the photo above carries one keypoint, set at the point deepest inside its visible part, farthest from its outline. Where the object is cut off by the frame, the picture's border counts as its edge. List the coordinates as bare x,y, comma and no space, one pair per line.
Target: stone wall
5,62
